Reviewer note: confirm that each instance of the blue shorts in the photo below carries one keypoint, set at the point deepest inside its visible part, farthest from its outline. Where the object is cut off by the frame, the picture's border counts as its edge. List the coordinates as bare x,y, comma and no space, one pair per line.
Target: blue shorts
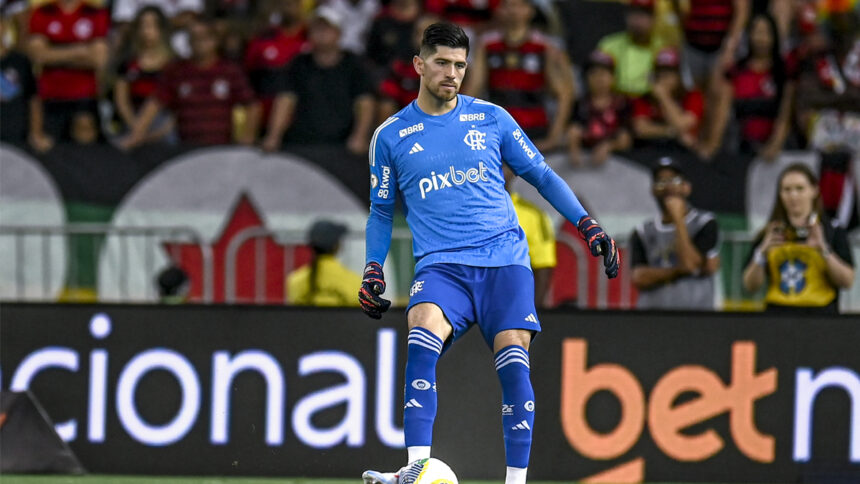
494,298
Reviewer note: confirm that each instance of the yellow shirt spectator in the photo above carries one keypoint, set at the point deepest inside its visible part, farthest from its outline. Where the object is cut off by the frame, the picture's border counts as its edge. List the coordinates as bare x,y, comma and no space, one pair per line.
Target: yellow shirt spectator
634,63
335,284
539,232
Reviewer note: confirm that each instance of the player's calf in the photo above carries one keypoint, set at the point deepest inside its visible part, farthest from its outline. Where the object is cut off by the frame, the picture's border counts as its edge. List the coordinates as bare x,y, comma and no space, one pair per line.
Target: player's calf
419,410
518,405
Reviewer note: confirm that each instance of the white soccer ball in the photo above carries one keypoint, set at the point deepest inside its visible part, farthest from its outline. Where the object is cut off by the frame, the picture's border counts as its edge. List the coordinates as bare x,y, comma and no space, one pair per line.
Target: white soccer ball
427,471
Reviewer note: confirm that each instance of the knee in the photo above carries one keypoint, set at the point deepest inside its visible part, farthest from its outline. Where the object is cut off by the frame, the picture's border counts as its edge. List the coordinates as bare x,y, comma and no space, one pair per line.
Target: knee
430,317
512,337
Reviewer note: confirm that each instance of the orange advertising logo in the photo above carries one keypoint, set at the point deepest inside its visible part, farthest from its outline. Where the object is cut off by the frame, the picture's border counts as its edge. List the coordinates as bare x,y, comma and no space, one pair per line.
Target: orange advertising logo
666,421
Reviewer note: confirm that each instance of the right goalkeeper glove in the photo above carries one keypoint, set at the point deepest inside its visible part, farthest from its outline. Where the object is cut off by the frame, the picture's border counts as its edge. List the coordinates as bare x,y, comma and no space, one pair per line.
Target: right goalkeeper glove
600,244
372,286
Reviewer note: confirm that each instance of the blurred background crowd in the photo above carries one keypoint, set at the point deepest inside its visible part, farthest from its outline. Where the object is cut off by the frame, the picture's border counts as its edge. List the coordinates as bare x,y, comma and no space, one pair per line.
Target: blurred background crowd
700,83
698,75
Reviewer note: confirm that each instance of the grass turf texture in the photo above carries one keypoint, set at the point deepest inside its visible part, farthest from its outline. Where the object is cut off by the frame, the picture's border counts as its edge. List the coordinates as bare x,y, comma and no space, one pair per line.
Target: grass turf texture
49,479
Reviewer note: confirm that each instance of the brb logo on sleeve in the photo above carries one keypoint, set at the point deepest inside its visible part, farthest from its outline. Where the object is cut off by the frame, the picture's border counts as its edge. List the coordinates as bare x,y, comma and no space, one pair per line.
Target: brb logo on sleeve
438,181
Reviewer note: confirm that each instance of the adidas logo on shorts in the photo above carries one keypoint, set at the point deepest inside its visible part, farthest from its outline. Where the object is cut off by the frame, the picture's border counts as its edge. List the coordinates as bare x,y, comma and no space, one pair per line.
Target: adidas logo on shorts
414,404
532,318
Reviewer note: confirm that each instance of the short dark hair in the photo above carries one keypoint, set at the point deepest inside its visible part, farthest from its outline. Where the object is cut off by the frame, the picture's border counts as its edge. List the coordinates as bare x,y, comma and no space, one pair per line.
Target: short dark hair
443,34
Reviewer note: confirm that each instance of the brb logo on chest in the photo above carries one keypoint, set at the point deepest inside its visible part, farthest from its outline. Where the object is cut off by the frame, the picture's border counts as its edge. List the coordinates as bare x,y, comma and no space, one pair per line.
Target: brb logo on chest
438,181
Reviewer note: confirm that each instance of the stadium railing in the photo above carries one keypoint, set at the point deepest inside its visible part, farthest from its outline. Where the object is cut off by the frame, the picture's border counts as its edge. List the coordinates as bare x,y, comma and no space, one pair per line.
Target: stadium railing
32,259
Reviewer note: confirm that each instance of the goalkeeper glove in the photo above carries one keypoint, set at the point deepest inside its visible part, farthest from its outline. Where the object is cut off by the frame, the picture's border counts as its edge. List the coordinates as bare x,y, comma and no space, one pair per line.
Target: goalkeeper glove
372,286
600,244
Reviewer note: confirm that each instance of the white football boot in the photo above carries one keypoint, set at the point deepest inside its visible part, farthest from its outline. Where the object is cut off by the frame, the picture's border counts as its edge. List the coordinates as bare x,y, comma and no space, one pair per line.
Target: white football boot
376,477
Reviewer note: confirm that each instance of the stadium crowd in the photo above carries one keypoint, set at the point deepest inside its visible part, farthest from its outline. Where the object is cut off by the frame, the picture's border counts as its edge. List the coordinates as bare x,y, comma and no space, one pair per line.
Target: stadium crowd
694,77
697,75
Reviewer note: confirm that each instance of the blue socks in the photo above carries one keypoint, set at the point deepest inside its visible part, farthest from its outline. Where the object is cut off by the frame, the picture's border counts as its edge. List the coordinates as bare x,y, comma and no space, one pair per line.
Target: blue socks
512,366
422,353
518,404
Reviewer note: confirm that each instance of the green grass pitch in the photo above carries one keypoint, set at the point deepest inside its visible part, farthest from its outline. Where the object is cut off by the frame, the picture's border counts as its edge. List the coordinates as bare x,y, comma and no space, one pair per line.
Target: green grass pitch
49,479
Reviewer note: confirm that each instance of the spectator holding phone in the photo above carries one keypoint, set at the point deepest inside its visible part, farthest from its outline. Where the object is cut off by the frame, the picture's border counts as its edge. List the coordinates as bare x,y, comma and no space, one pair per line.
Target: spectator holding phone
802,257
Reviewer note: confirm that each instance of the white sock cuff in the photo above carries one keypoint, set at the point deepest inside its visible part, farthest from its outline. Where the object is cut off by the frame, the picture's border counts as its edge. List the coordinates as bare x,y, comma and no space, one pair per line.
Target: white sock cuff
516,475
416,452
512,354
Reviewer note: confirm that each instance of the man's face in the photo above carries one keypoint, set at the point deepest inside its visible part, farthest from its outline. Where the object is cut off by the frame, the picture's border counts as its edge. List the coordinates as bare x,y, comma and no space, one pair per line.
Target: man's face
514,13
669,77
600,79
323,35
640,22
669,182
203,41
442,72
291,10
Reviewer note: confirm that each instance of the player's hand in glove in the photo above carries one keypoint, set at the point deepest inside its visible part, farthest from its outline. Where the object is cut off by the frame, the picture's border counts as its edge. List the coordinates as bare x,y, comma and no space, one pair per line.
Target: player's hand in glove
600,244
372,286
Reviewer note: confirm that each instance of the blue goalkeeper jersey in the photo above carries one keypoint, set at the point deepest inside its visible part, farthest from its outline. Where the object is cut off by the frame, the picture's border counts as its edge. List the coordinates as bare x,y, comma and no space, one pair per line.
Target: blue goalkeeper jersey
447,170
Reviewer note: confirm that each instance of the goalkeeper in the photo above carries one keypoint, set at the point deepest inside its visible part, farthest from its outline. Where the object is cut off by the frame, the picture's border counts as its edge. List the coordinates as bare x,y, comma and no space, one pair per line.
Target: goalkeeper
443,155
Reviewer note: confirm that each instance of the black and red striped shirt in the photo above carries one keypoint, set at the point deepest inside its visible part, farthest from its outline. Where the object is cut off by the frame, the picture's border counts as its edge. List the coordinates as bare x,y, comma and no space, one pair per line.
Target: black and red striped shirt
202,99
401,84
141,82
516,77
463,12
707,23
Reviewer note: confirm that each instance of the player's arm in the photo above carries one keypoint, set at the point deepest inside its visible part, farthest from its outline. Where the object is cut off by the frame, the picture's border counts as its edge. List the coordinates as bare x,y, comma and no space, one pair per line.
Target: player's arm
520,154
380,221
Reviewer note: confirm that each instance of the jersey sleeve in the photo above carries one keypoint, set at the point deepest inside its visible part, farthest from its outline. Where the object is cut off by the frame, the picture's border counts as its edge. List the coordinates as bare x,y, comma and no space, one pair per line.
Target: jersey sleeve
516,148
383,183
39,22
637,251
841,246
706,239
101,24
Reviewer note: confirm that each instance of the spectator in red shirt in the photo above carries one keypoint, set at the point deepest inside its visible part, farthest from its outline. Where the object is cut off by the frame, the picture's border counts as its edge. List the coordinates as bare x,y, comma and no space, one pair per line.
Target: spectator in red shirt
600,117
67,45
148,53
669,114
472,15
400,86
761,90
202,93
522,69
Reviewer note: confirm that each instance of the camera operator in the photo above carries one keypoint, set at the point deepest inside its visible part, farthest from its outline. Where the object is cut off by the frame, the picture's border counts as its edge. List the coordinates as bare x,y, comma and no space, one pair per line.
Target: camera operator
803,257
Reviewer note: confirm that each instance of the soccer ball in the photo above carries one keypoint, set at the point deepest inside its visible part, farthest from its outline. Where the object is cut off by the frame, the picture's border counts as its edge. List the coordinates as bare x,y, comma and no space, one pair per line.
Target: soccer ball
427,471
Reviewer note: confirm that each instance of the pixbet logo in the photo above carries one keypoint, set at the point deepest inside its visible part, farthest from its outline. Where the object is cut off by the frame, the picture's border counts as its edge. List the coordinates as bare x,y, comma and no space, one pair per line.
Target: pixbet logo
438,181
669,422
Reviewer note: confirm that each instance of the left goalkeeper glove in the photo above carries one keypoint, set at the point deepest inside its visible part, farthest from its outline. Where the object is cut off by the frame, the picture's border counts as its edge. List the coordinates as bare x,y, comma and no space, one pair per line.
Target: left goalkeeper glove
600,244
372,286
